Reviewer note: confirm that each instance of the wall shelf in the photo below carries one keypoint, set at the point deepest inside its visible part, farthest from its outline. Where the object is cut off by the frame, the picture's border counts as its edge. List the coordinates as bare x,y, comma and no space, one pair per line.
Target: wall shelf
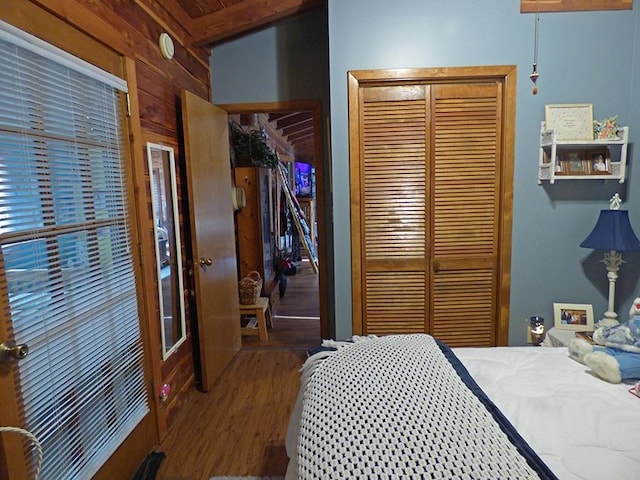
576,160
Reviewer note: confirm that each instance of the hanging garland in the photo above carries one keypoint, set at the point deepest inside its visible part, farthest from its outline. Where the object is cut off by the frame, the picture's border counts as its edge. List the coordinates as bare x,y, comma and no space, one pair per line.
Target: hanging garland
250,148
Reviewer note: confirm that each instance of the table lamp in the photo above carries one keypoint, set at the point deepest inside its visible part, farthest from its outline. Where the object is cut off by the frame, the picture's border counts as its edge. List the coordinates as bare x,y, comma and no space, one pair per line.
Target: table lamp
612,234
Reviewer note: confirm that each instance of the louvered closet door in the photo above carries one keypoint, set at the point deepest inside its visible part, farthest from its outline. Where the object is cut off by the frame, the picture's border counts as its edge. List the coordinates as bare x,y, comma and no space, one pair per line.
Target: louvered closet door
465,197
426,206
394,209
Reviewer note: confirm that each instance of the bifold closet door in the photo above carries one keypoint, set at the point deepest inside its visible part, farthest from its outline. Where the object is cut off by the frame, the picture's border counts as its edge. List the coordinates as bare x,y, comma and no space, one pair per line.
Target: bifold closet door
426,209
466,163
393,196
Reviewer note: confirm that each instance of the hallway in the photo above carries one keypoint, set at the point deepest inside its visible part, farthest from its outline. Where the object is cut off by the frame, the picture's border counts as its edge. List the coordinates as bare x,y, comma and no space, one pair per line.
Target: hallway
296,320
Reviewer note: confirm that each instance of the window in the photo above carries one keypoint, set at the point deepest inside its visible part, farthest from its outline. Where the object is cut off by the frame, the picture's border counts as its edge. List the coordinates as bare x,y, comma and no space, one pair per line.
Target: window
67,279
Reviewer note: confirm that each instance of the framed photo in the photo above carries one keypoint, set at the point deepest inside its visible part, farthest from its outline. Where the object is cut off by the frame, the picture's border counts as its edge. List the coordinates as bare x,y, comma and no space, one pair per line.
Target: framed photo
571,122
573,316
574,163
558,165
599,162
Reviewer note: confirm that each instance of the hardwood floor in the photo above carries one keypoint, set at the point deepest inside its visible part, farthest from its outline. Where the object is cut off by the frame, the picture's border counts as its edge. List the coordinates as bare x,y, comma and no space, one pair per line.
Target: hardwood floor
239,427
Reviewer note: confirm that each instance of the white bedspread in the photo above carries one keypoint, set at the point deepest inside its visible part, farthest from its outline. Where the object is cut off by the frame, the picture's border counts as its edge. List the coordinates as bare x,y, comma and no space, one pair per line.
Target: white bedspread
394,407
582,427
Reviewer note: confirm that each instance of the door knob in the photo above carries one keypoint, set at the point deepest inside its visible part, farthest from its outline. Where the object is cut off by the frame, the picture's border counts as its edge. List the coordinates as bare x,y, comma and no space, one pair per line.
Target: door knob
436,266
9,350
205,262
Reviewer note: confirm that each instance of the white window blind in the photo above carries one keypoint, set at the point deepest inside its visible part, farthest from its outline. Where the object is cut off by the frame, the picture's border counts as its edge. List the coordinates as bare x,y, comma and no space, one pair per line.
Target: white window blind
67,276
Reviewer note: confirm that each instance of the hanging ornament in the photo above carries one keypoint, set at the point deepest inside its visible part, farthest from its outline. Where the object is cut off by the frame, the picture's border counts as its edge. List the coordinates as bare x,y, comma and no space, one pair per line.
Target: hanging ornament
534,73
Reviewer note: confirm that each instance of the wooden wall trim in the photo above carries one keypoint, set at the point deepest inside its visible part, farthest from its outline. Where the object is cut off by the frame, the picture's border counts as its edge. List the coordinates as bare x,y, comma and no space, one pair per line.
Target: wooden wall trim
129,454
533,6
97,24
148,302
27,16
353,80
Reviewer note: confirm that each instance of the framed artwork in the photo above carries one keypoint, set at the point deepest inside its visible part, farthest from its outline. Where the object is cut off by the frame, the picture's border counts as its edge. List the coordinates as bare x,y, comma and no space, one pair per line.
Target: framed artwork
573,316
571,122
574,163
599,162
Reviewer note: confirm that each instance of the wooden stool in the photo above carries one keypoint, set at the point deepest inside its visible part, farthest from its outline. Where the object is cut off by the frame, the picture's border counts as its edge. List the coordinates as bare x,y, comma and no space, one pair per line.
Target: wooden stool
261,310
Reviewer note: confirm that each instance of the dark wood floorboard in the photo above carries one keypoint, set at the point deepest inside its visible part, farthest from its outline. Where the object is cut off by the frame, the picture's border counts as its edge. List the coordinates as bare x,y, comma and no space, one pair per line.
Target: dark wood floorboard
239,427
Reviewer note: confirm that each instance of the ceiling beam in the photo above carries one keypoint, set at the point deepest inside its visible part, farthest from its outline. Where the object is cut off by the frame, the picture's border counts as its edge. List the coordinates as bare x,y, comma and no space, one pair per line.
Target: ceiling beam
293,119
294,137
245,16
306,125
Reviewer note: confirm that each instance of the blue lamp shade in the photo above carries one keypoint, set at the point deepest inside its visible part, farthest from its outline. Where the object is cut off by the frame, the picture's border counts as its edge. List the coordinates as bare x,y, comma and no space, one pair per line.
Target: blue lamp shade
612,232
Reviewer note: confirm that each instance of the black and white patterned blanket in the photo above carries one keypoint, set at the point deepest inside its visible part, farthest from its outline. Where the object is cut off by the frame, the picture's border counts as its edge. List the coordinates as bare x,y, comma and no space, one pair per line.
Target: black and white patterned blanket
396,407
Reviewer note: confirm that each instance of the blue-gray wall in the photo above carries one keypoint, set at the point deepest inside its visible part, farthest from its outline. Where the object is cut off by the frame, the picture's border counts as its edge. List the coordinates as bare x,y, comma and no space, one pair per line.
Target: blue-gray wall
285,62
584,57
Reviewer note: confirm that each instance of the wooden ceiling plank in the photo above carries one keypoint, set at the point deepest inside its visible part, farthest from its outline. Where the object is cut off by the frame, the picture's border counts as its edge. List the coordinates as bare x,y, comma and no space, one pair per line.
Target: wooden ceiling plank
243,17
170,15
196,8
300,127
295,119
299,136
277,115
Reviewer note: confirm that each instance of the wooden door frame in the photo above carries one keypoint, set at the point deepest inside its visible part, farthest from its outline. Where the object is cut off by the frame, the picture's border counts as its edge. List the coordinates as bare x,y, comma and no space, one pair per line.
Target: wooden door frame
507,74
315,107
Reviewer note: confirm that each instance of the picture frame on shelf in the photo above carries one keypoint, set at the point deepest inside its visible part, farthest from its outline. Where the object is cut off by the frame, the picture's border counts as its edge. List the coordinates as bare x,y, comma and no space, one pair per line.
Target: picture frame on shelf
546,157
574,163
573,316
570,122
599,162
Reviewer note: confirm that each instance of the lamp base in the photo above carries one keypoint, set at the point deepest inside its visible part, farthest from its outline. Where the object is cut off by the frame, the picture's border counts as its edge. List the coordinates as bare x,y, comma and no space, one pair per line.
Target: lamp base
608,320
612,260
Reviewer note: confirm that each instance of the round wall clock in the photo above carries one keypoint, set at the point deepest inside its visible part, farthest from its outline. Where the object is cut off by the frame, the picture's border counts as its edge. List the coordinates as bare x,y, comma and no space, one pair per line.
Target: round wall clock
166,46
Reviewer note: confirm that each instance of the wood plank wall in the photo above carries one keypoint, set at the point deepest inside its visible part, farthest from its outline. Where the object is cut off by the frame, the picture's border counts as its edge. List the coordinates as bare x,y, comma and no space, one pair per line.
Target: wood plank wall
132,28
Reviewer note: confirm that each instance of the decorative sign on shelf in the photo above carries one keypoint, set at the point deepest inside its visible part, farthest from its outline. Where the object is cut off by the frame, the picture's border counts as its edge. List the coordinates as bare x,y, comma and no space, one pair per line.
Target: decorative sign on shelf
571,122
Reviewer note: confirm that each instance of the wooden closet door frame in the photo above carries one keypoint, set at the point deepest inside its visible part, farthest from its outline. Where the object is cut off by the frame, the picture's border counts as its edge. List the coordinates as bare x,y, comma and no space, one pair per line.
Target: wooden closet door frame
505,74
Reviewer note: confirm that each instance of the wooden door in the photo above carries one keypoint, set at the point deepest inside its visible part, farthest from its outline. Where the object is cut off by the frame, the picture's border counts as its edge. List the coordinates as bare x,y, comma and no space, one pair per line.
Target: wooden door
431,176
390,234
212,235
466,164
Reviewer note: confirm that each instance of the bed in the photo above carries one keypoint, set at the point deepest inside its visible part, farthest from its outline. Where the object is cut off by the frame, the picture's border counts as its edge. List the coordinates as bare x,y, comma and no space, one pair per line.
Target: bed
407,406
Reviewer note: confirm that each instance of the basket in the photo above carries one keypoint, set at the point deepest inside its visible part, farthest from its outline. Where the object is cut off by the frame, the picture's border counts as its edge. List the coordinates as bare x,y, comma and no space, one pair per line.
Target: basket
249,288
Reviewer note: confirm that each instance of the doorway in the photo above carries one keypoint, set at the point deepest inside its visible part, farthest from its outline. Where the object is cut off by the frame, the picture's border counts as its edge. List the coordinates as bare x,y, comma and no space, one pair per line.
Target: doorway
295,130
